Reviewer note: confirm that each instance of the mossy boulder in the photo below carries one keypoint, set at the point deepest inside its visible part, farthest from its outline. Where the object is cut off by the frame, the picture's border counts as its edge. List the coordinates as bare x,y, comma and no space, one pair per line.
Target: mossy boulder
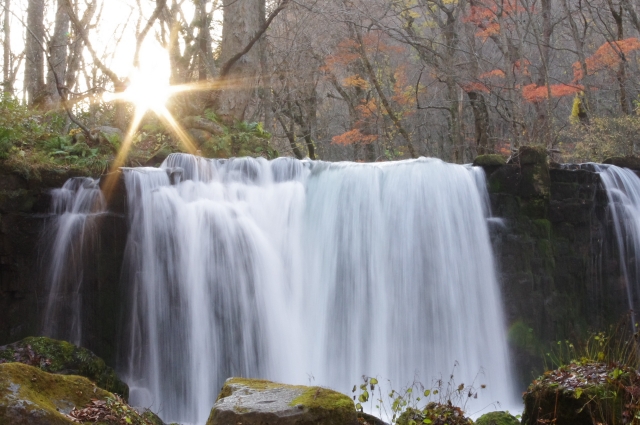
489,160
497,418
584,393
256,402
533,155
64,358
29,396
631,162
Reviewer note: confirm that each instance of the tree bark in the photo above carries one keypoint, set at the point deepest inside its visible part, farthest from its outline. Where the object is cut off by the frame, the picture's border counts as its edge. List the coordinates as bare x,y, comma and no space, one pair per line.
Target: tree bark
240,22
481,120
34,64
6,47
58,51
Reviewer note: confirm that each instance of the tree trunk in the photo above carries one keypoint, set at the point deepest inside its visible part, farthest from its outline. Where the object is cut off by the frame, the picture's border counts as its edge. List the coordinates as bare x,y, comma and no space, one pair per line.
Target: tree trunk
241,21
58,52
34,65
481,120
6,60
206,67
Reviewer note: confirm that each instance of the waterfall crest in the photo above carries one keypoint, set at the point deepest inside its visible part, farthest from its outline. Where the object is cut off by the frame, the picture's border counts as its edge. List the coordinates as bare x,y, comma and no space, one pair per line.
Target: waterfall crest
302,271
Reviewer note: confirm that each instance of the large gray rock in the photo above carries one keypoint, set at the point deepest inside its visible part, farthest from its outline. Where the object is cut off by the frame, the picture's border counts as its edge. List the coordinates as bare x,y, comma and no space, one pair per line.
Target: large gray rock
258,402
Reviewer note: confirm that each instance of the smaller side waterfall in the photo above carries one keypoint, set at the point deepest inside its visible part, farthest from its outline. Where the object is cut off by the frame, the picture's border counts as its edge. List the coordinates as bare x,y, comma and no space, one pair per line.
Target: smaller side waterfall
70,238
623,191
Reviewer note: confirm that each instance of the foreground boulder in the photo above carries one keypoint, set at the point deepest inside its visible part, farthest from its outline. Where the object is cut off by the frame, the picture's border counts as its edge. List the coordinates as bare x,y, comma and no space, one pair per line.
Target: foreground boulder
258,402
29,396
63,358
582,394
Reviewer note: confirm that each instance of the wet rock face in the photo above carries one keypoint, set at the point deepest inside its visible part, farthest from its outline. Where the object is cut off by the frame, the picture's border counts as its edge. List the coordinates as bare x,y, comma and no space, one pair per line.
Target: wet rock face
257,402
555,257
29,396
24,214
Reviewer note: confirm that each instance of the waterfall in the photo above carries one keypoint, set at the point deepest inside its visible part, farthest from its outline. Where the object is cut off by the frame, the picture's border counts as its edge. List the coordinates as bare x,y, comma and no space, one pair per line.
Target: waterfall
71,233
308,272
623,192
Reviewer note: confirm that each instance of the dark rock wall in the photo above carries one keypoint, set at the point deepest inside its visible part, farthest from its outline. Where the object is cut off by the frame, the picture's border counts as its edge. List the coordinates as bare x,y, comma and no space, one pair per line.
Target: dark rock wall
24,216
559,272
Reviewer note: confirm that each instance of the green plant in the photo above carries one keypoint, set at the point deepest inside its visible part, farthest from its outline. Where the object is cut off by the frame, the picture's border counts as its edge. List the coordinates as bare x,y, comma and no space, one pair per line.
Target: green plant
443,403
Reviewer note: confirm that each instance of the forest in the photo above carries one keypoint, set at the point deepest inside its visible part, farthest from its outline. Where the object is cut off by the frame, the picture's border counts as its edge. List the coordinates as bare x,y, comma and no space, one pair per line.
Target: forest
357,80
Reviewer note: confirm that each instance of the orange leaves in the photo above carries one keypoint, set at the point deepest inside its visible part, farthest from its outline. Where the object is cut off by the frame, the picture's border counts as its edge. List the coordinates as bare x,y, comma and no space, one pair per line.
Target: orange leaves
609,55
353,136
355,81
496,73
534,93
487,15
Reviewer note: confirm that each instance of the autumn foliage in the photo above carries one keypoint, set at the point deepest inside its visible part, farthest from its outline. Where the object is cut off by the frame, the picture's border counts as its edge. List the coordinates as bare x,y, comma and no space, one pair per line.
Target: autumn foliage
609,55
535,93
486,14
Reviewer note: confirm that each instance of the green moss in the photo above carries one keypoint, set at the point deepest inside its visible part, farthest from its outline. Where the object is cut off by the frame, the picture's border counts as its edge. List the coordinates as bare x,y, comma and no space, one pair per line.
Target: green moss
535,154
522,336
256,384
543,228
490,160
497,418
26,390
317,397
64,358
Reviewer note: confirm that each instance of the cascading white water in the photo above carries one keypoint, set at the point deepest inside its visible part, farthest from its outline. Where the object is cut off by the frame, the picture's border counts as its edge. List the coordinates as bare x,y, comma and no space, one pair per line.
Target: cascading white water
623,191
71,232
308,271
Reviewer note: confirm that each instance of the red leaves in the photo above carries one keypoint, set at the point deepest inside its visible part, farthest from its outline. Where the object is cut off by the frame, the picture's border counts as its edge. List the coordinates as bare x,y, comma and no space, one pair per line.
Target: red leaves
609,55
534,93
354,136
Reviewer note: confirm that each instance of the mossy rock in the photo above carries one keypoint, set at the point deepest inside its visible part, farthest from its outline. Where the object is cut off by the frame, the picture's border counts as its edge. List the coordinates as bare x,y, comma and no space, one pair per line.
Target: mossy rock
497,418
489,160
255,402
64,358
631,162
29,396
583,393
533,155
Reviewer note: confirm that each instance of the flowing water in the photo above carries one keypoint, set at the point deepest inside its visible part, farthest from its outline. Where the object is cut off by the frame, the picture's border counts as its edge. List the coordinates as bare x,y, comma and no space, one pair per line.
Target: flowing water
309,272
71,233
623,191
295,271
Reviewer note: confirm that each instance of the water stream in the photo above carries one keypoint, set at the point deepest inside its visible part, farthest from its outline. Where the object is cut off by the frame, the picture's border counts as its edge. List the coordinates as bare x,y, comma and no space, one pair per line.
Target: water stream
309,272
623,191
300,272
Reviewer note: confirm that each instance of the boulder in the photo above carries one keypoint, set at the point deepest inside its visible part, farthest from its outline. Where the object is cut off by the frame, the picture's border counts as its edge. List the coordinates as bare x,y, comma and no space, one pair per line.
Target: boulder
258,402
61,357
631,162
497,418
29,396
584,393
